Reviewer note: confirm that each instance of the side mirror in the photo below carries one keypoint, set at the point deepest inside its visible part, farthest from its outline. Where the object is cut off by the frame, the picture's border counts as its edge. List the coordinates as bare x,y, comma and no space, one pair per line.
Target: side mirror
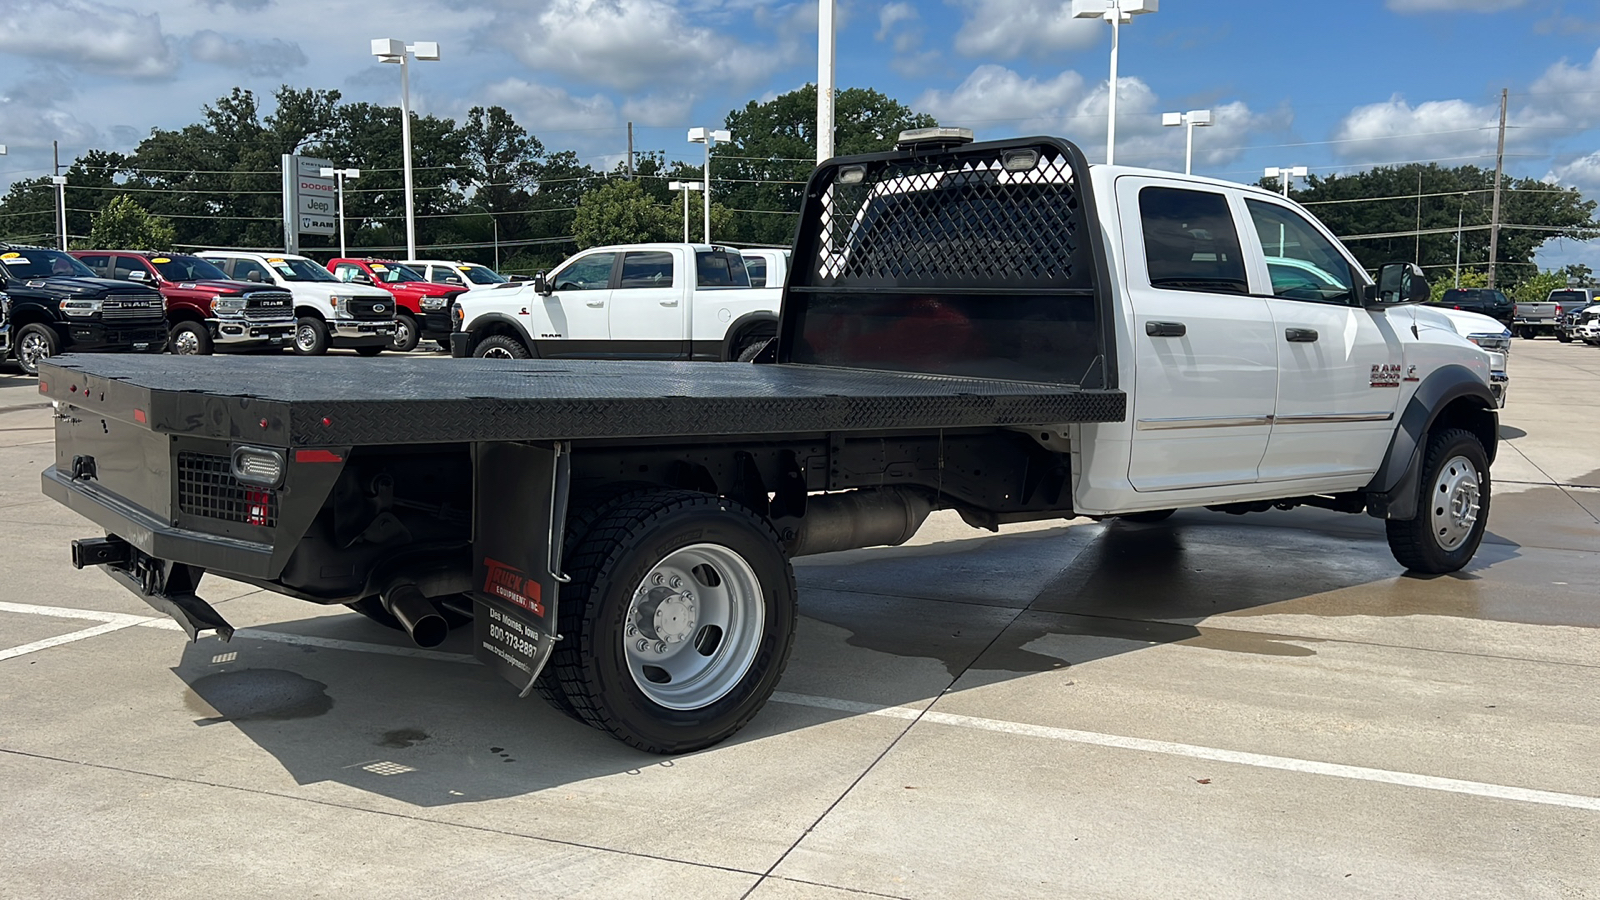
361,278
1399,283
253,275
541,284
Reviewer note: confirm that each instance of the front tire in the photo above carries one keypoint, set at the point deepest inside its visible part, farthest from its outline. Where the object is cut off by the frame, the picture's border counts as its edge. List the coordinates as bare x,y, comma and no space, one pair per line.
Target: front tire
500,346
1452,512
678,620
190,339
34,343
311,337
1148,517
406,334
1564,338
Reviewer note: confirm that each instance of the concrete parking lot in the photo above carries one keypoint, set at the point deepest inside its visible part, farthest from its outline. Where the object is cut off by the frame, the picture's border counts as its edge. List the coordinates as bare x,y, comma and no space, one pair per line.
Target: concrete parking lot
1216,706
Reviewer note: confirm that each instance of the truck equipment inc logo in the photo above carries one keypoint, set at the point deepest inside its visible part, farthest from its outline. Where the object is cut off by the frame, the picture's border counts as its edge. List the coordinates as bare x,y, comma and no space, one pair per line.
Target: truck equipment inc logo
509,583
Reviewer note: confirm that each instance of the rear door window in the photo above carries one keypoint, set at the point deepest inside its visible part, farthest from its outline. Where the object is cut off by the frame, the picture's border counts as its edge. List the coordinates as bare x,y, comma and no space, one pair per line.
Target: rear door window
1190,242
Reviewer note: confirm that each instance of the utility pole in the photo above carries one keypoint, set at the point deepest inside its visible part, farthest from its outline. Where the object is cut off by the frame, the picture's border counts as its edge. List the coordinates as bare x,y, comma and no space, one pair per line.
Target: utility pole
630,151
1494,215
1418,252
60,181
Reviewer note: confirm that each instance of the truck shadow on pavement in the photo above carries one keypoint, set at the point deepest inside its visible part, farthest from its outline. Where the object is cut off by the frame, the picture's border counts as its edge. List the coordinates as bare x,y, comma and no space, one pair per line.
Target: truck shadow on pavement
892,627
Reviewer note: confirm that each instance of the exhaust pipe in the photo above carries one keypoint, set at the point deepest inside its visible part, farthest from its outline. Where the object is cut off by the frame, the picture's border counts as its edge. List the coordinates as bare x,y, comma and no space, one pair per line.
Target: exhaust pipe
417,615
871,517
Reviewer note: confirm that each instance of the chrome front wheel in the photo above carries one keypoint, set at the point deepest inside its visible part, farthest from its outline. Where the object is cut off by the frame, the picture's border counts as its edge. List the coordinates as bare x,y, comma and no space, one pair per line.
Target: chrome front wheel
1454,505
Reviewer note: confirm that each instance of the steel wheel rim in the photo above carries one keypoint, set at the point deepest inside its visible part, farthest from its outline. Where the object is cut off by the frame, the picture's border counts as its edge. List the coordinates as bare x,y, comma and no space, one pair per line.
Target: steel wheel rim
402,332
697,619
305,338
497,353
185,343
1454,503
32,348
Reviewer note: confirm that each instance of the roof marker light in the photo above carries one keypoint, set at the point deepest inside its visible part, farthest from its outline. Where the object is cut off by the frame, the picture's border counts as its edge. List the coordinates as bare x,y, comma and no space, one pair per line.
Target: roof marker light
1020,160
851,175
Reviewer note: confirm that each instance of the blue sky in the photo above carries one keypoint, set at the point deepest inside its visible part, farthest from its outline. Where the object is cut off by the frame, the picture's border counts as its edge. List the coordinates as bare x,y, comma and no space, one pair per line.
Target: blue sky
1336,86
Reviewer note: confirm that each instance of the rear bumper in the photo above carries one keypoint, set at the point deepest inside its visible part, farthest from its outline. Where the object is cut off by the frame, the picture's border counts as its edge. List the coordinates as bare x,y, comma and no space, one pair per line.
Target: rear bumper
155,537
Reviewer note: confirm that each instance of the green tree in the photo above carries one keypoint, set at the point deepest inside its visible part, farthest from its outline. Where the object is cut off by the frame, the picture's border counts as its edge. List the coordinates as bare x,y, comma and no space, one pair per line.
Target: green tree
762,172
1384,201
1539,286
619,212
1441,282
125,225
28,212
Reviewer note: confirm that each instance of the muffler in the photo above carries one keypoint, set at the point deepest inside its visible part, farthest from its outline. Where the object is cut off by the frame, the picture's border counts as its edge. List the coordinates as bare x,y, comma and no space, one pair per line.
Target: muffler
871,517
417,615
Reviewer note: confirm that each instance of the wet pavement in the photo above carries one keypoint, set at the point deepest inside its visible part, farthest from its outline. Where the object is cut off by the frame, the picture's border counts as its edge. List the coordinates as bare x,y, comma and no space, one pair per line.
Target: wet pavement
1219,706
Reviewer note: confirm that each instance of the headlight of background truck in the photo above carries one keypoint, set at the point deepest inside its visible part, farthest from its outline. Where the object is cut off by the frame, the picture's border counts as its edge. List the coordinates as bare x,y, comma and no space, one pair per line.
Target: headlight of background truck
80,307
228,306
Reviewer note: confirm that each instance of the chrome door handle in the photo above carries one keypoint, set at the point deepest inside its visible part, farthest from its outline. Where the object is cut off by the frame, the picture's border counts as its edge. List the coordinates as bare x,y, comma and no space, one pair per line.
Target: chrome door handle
669,303
1165,329
595,303
1300,335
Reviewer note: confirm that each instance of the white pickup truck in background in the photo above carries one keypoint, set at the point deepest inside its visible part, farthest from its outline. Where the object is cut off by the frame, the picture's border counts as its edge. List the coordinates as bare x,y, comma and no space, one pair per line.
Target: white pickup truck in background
633,301
768,266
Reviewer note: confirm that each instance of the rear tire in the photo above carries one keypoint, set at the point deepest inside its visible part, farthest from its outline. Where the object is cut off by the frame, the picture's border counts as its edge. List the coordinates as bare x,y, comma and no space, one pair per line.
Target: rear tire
1452,512
704,584
1148,516
189,339
750,346
311,337
500,346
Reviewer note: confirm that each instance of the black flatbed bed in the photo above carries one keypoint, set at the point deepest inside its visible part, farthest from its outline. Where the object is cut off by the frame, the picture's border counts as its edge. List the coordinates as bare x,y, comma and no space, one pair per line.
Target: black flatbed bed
327,402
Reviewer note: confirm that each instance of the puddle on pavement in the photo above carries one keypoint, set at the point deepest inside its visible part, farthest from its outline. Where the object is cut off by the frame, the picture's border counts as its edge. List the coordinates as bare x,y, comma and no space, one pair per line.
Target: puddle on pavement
255,694
403,738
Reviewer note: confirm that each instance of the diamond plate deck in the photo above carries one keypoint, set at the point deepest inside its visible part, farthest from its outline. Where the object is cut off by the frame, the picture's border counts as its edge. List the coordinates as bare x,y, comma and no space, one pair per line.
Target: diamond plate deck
341,401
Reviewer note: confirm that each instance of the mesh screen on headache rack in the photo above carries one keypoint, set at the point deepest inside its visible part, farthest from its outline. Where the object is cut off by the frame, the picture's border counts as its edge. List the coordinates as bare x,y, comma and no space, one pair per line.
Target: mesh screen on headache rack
973,262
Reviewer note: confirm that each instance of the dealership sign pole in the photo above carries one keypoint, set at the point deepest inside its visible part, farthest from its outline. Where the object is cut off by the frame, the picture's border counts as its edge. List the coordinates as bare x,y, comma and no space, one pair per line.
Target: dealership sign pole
309,198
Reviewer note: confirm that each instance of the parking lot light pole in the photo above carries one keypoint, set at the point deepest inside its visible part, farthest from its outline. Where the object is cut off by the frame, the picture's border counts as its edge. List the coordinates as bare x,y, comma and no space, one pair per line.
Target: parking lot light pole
1189,120
389,50
1118,13
60,181
338,176
1286,174
686,187
709,137
825,68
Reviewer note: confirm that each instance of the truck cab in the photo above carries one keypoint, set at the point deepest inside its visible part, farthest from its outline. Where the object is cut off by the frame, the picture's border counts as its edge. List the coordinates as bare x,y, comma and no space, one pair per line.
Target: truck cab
328,313
470,275
633,301
205,309
57,304
423,307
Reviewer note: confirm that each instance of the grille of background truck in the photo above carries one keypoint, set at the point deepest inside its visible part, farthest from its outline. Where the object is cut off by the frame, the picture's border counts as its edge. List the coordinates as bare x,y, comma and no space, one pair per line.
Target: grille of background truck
131,307
206,487
362,308
283,305
943,223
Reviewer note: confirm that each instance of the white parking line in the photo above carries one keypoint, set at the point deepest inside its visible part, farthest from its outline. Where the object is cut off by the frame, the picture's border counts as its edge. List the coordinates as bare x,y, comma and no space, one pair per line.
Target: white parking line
1212,754
116,621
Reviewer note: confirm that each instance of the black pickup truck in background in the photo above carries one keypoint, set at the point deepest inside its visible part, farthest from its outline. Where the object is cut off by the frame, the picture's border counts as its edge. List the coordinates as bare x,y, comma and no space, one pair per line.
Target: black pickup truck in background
58,304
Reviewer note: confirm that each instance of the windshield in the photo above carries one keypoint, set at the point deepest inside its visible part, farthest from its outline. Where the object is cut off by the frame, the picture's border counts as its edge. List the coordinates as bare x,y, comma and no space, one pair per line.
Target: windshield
394,273
291,268
482,275
41,263
187,268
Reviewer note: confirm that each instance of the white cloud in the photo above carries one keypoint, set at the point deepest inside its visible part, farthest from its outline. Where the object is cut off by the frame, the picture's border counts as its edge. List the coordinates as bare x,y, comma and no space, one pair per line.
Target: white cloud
547,109
1007,29
88,35
270,57
1582,173
630,44
996,101
240,5
1423,6
893,14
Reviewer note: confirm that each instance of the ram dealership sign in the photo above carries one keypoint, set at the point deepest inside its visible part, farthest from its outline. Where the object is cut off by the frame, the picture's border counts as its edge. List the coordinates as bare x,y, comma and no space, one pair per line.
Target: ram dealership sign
310,204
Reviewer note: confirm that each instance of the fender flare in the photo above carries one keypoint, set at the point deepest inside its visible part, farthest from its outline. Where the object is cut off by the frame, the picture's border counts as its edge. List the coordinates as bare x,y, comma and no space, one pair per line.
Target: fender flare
743,322
1393,491
483,320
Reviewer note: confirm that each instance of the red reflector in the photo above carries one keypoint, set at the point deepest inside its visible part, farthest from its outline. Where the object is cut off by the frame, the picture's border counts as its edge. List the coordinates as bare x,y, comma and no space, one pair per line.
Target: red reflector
257,503
138,416
317,456
44,387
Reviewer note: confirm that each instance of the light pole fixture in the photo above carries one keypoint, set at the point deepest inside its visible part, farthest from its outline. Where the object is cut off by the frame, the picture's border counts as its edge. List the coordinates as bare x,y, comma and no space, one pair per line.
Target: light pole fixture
1190,120
1118,13
709,137
825,59
338,176
1286,174
686,187
389,50
60,181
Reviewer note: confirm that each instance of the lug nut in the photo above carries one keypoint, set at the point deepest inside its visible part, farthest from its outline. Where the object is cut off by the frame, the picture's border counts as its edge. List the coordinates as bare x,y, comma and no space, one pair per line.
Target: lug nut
644,645
676,582
661,646
632,629
660,578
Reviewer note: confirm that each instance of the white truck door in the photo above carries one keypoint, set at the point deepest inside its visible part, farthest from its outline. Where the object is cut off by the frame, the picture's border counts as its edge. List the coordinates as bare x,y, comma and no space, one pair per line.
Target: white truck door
1205,362
649,312
1340,365
577,310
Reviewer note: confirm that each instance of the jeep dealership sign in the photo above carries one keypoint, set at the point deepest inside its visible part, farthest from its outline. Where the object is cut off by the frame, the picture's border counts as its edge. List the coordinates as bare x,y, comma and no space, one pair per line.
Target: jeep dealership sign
310,204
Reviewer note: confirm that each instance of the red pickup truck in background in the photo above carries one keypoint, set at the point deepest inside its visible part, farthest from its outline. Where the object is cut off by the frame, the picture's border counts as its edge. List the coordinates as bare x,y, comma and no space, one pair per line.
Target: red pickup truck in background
205,309
423,306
